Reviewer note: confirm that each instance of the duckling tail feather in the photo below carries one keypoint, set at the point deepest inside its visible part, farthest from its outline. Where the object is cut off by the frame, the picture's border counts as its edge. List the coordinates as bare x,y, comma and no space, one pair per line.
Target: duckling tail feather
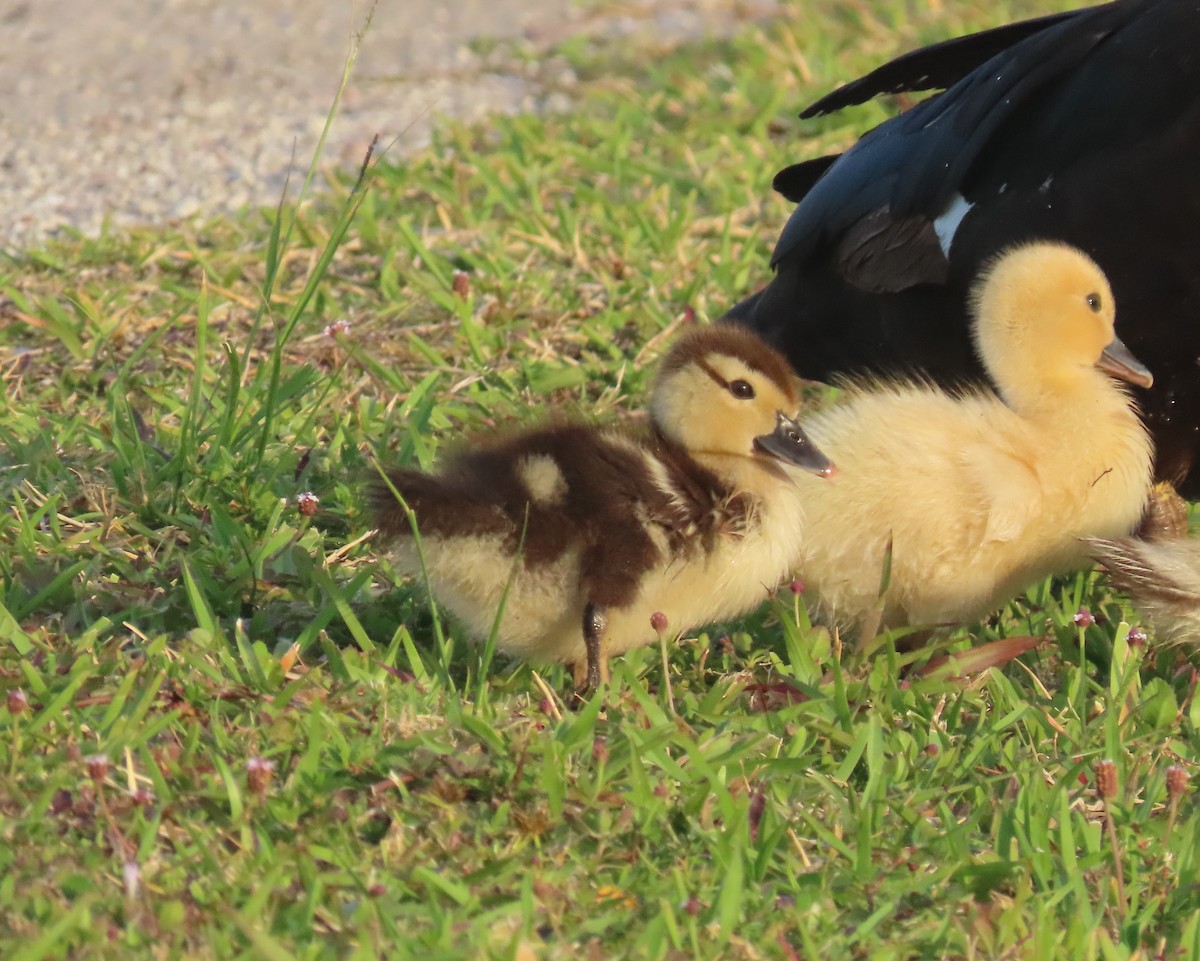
1162,578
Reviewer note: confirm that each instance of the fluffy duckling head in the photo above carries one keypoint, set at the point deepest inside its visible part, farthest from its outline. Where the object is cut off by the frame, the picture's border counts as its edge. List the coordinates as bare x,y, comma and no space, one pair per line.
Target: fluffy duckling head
721,392
1044,322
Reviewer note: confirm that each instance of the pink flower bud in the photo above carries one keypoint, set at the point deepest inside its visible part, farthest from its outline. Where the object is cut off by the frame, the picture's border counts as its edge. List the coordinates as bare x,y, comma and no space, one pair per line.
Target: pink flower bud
1106,778
1177,780
97,766
259,772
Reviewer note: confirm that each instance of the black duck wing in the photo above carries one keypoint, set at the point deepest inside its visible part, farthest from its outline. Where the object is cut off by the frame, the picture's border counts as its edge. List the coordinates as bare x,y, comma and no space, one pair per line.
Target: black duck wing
1085,130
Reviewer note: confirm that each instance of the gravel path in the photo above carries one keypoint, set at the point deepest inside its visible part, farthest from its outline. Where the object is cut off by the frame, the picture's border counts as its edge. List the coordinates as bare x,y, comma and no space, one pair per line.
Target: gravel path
143,112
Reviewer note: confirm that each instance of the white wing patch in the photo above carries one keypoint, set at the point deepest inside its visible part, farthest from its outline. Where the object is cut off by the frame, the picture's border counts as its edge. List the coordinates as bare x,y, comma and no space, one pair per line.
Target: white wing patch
946,225
543,479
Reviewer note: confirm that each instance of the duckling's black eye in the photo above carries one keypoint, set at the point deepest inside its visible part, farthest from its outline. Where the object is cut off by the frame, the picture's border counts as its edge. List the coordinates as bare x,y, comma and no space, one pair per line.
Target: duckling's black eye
741,390
1093,301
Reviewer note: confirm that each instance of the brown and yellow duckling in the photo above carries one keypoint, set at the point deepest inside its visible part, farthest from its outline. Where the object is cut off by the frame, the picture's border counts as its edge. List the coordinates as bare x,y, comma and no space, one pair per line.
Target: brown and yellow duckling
599,529
975,494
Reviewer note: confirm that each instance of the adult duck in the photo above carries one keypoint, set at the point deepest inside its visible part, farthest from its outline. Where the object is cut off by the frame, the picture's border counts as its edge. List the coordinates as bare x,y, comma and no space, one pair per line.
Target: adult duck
1082,127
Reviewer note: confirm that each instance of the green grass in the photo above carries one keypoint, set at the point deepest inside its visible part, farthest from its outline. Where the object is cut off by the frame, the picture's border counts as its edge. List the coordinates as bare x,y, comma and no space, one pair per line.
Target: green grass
239,736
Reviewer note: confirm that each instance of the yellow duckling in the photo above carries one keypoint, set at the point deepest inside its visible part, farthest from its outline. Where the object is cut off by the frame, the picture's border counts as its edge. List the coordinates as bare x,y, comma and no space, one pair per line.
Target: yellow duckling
691,518
976,495
1161,577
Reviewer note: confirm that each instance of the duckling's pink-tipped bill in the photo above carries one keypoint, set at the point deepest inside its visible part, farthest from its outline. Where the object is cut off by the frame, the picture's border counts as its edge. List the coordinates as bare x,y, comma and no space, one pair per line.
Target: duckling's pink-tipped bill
789,443
1118,361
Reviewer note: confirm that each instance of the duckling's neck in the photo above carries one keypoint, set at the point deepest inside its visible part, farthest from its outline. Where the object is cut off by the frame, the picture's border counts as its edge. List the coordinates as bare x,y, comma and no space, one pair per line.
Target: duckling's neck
1084,432
735,473
1078,395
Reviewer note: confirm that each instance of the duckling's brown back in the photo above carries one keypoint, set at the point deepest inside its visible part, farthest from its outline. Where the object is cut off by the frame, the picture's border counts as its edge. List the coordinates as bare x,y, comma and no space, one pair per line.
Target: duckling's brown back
618,499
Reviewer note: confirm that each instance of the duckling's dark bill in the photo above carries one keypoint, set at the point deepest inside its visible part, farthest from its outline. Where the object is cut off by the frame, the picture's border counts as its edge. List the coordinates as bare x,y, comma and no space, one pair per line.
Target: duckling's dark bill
789,443
1118,360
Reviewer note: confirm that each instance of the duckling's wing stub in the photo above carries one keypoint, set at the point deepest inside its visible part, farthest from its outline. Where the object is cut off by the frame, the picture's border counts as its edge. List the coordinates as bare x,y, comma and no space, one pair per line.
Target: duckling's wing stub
1008,491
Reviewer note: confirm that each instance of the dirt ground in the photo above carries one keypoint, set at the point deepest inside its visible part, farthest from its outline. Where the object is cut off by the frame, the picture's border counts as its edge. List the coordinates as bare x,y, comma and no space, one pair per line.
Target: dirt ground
141,112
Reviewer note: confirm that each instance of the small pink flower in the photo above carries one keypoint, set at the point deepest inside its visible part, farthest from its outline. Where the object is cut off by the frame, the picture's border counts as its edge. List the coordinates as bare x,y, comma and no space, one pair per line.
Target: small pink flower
97,766
1083,618
1136,637
133,879
259,772
1177,780
307,503
18,703
797,586
658,621
337,328
1106,778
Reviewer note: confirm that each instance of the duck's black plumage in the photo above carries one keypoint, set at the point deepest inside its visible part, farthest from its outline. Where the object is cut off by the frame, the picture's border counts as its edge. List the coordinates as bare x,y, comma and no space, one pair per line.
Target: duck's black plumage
1082,127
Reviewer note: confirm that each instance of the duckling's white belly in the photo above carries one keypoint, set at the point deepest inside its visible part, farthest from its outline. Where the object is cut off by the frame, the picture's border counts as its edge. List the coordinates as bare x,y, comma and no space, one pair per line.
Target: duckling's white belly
542,614
737,575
